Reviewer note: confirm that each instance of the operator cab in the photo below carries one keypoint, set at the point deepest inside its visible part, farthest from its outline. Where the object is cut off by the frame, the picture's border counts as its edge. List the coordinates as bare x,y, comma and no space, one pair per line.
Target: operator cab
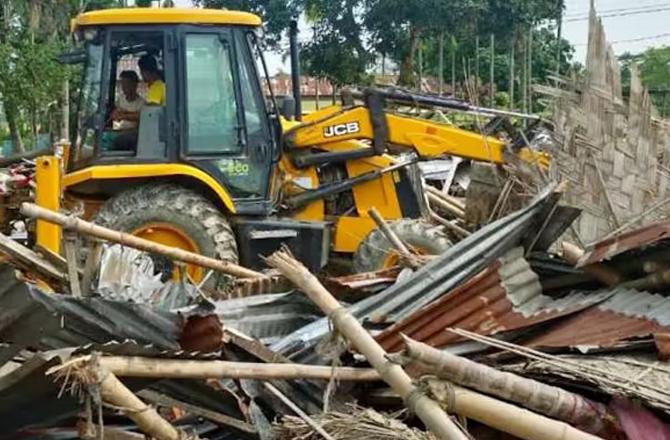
213,115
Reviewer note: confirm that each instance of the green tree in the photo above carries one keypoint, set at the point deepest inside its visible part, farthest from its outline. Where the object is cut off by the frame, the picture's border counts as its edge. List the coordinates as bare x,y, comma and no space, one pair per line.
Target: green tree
276,14
654,68
335,51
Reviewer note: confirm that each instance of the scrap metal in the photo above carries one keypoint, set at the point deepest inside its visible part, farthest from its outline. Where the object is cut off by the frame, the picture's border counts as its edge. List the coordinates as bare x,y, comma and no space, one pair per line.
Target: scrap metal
506,296
441,275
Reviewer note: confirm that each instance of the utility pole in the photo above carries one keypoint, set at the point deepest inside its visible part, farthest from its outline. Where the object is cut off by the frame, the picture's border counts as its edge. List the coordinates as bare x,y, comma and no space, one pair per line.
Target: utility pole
440,63
492,76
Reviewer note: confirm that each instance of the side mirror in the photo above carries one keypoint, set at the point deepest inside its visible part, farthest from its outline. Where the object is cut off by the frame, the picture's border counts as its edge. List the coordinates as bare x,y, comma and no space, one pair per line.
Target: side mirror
287,108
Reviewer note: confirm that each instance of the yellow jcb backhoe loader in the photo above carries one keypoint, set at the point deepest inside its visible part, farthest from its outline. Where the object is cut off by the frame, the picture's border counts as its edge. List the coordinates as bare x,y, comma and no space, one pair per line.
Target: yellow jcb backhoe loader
213,167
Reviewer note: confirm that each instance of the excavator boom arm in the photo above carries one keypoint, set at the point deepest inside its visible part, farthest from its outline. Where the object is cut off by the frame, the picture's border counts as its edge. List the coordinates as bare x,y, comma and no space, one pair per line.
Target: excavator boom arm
427,138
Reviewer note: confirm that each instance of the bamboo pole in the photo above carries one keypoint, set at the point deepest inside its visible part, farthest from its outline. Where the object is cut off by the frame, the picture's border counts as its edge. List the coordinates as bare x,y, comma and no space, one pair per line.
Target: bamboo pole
551,401
114,392
503,416
72,223
393,238
446,206
572,253
458,204
428,410
130,366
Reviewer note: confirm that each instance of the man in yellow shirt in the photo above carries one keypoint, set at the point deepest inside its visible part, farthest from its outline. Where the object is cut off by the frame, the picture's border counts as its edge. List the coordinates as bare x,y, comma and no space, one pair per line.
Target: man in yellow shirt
152,76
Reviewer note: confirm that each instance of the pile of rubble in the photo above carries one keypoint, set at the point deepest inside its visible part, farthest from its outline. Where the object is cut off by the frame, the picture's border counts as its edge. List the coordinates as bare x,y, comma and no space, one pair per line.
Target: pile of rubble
499,334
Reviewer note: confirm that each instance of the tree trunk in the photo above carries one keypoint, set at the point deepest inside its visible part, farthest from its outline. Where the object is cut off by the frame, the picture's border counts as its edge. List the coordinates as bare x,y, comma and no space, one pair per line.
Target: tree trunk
15,133
406,76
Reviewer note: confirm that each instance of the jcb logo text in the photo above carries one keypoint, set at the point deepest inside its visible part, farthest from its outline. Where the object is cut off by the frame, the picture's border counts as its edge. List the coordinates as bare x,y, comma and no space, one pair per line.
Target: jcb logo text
341,129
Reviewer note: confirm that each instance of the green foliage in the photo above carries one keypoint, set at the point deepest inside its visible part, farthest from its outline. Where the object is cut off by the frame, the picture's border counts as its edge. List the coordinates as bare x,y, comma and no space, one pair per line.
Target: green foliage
276,14
654,67
336,51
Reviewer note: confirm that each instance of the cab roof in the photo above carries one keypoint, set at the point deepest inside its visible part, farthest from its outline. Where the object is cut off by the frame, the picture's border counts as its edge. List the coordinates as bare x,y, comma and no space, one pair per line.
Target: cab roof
164,16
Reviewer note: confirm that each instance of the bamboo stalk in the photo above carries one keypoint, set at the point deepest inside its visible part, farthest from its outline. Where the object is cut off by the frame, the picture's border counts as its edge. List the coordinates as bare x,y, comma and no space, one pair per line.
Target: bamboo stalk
72,223
551,401
129,366
393,238
441,203
428,410
446,197
572,253
503,416
453,227
114,392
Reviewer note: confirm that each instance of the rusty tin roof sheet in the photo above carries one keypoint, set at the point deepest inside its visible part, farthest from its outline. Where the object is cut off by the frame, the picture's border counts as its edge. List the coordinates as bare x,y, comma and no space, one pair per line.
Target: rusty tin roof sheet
627,241
505,296
626,315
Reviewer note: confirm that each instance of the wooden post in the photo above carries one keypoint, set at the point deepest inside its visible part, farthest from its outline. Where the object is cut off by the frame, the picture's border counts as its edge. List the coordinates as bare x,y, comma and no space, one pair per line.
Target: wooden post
70,246
72,223
428,411
512,74
559,36
530,70
551,401
476,65
492,76
453,66
440,68
524,74
90,267
419,85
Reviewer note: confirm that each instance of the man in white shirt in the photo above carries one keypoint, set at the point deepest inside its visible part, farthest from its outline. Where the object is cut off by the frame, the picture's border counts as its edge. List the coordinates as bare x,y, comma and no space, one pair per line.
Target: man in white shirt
126,114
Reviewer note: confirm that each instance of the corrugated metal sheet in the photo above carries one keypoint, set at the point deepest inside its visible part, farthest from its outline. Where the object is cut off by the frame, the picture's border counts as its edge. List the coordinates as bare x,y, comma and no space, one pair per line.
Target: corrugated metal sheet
505,296
621,243
462,261
626,315
32,318
264,317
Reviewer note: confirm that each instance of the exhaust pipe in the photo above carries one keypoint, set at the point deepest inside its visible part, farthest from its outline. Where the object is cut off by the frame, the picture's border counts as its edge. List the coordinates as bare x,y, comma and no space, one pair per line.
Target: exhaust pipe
295,67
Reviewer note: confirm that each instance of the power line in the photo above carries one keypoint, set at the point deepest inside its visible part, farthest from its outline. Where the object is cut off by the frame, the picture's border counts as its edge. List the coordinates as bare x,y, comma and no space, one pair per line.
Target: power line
619,10
633,40
647,11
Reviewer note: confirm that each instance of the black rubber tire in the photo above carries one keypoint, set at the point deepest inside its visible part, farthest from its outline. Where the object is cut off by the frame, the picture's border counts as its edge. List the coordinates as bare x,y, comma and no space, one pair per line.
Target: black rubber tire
173,204
373,250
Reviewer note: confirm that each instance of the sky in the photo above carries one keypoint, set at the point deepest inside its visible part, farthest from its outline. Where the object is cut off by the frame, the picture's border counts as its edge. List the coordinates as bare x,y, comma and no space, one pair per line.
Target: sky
622,22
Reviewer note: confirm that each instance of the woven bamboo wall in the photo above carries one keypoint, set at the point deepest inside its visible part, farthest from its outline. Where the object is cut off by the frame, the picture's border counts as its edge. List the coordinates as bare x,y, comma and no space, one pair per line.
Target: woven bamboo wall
614,154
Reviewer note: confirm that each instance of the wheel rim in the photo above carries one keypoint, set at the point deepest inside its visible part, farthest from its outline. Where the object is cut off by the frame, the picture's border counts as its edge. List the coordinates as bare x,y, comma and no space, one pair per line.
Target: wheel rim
172,235
392,258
